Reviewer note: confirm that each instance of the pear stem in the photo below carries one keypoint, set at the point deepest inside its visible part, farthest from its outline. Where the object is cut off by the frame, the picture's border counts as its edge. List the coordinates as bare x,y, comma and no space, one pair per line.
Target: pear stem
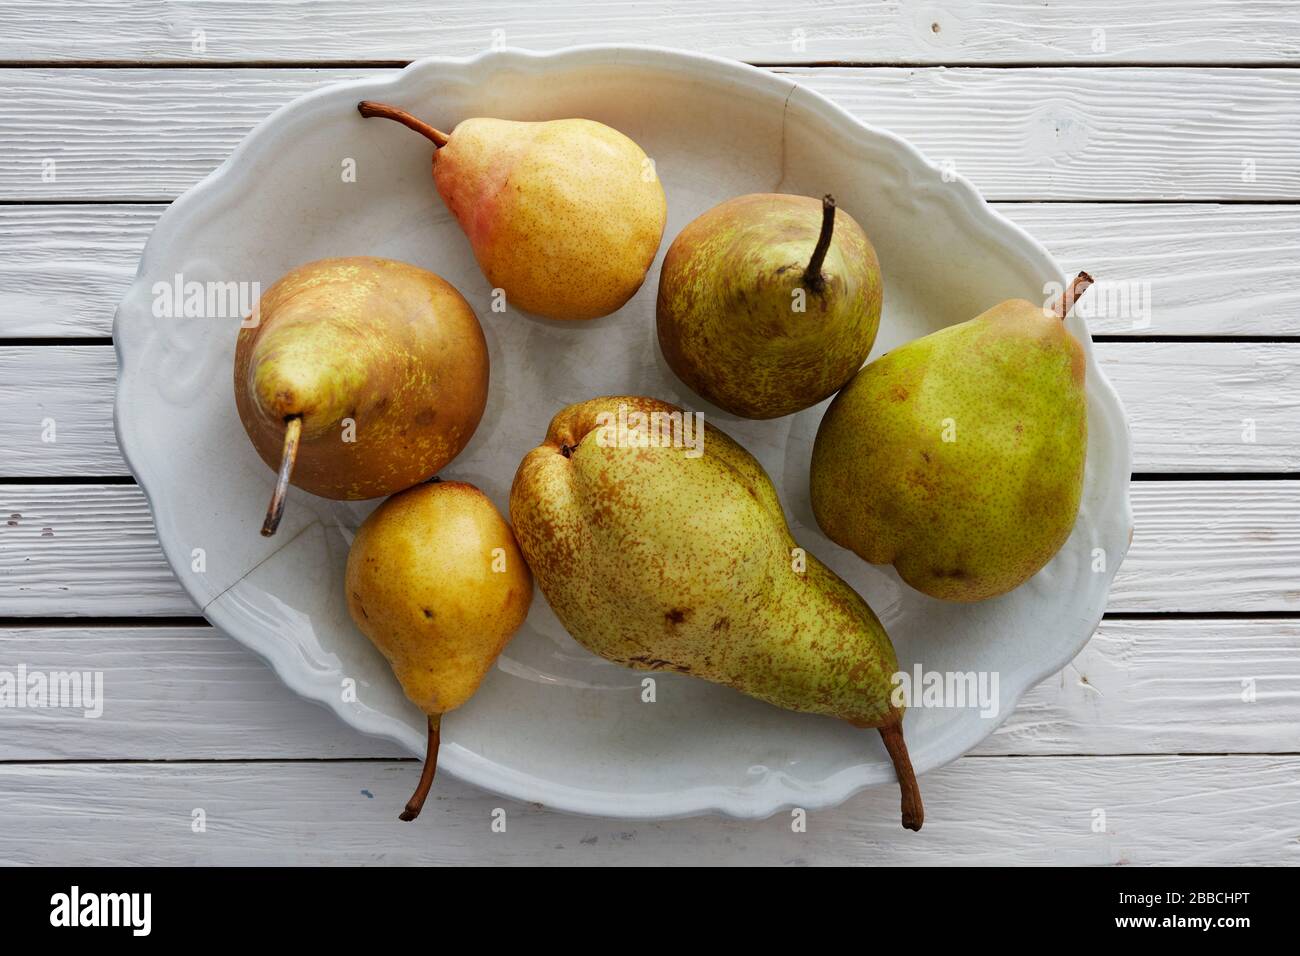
368,109
913,811
812,276
416,803
292,435
1078,286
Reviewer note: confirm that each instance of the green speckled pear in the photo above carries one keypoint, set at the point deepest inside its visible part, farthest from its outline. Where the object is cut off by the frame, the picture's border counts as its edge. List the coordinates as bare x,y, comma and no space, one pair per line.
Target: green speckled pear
959,457
768,303
660,558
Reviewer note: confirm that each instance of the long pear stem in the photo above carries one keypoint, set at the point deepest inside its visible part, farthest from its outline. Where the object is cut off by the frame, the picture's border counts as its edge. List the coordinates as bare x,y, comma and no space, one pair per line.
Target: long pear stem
1078,286
292,435
436,136
416,803
913,811
812,276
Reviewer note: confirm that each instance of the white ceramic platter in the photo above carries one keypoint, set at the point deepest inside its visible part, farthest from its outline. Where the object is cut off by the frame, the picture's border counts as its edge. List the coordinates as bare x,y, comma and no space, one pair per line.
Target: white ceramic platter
554,724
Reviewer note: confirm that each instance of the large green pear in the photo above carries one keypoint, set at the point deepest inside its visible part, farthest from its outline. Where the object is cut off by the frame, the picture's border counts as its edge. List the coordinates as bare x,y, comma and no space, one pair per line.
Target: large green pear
959,456
768,303
564,215
663,547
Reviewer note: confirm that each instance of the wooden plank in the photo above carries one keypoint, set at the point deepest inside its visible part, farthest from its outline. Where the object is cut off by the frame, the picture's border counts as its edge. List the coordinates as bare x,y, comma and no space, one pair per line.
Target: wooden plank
1157,810
83,550
194,693
169,693
1097,134
1190,406
56,411
1199,546
134,133
63,269
1208,406
1210,546
1110,31
1166,686
1202,269
1055,134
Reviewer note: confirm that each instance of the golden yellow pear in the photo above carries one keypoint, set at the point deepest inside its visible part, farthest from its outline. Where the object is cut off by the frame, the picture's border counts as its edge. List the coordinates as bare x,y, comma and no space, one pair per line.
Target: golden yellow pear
564,215
437,582
360,377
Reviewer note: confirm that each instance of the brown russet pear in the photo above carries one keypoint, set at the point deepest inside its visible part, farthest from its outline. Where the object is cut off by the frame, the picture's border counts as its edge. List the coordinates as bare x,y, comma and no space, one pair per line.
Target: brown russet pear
360,377
959,457
675,555
436,581
768,303
564,215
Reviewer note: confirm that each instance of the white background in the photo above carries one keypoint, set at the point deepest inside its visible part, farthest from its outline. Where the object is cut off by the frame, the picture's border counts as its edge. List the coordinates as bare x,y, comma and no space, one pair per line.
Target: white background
1154,142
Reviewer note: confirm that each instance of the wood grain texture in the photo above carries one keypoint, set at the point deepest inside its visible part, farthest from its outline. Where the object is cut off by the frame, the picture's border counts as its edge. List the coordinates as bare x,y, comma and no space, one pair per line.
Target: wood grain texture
1157,810
133,134
83,550
170,693
1089,133
1166,686
1038,134
1217,31
194,693
1208,406
63,269
87,550
1187,403
56,411
1203,269
1211,546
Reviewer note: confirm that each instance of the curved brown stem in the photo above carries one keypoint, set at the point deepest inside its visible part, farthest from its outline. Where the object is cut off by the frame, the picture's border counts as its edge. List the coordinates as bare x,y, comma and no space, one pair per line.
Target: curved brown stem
416,803
812,275
292,435
368,109
1078,286
913,811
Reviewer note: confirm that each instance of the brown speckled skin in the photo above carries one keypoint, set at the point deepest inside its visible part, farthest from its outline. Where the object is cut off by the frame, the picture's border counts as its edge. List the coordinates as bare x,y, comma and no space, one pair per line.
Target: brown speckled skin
566,215
663,562
420,584
391,346
725,309
976,517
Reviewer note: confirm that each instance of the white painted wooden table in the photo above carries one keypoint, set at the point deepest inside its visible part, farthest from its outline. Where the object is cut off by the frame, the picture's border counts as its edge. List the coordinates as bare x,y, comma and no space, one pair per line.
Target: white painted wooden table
1151,142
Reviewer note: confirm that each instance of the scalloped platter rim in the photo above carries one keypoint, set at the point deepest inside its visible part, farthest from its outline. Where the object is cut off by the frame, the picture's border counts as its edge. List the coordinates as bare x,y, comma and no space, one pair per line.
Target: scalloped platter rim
553,724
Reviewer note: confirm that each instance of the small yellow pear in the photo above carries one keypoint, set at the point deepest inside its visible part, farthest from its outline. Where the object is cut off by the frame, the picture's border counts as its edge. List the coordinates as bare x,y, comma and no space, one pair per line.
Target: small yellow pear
437,582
